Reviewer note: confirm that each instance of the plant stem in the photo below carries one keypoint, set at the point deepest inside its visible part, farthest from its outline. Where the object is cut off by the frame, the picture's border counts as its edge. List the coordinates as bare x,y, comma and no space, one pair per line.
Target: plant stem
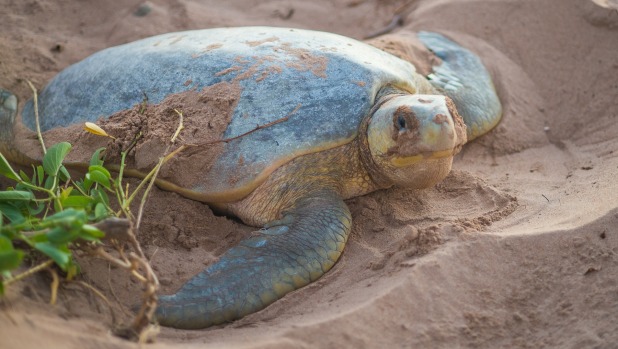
29,272
54,287
180,126
36,116
34,187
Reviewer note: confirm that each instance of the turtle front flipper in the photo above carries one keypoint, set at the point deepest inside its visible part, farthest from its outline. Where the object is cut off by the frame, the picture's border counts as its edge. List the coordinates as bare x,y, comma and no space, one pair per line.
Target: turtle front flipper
8,119
463,77
8,111
284,256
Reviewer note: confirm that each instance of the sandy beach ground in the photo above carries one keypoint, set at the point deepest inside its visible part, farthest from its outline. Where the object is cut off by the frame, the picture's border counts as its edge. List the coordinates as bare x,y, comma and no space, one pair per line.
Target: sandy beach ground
517,248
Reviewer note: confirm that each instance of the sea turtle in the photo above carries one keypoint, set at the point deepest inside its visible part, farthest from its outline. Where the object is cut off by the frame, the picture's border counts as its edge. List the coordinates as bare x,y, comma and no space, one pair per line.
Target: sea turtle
364,120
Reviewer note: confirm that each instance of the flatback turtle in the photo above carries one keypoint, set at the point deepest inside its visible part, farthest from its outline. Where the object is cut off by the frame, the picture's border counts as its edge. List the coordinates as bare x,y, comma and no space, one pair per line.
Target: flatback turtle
364,120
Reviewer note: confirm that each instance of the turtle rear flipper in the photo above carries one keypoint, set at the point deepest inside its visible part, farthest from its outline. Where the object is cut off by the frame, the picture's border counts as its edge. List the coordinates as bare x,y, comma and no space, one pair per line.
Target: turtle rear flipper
284,256
463,77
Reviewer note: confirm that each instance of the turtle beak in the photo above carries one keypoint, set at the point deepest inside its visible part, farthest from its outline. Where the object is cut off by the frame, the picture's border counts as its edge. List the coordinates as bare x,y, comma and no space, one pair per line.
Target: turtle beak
426,127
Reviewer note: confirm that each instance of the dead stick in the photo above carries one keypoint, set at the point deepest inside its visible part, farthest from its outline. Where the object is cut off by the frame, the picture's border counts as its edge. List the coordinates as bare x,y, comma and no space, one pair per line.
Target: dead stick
258,127
36,116
54,286
226,140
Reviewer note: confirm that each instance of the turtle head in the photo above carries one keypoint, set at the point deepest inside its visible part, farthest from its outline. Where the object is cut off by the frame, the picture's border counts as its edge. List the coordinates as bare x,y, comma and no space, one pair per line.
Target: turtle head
412,139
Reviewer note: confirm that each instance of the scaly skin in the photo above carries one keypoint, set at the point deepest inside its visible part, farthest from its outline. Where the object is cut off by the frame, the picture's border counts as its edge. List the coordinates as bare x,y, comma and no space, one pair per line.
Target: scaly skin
303,176
286,255
306,225
463,77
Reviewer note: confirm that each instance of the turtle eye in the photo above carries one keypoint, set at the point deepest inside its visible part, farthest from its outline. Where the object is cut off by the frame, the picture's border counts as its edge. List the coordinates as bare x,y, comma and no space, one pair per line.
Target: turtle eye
400,123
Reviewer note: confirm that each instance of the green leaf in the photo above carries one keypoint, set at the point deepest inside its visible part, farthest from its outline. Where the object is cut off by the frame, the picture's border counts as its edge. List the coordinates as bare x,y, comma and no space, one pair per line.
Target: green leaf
100,168
21,187
35,208
33,180
50,182
24,176
59,254
64,193
16,195
78,201
99,177
100,196
61,236
67,216
6,170
54,157
84,184
91,233
100,211
10,258
64,174
40,237
41,173
12,213
5,244
96,157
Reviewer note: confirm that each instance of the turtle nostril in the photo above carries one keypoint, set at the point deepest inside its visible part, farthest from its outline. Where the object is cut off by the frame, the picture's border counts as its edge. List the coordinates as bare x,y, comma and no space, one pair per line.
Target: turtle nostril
401,122
440,119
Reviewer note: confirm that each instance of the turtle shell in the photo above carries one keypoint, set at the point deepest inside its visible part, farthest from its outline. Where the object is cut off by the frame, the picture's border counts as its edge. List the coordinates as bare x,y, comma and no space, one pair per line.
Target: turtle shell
330,81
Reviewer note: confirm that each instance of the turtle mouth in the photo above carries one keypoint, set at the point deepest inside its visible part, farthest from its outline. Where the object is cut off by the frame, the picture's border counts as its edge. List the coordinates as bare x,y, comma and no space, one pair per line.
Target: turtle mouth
404,161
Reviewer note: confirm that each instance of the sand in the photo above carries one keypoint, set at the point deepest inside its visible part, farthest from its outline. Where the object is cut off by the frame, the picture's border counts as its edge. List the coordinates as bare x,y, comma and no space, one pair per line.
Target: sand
517,248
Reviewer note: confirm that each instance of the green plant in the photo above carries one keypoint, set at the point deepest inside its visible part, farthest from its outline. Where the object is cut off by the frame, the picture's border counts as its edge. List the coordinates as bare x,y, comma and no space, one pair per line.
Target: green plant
48,211
52,215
